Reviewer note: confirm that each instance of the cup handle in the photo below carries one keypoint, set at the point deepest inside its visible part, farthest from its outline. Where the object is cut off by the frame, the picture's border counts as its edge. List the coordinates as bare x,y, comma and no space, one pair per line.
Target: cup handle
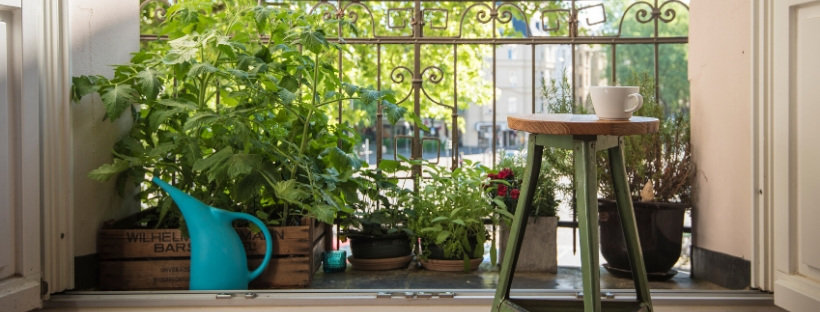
636,107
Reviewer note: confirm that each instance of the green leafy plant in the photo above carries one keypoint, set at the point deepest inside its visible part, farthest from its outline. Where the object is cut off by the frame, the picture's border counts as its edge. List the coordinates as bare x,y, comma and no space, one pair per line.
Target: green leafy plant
233,111
451,209
382,207
558,163
659,166
544,202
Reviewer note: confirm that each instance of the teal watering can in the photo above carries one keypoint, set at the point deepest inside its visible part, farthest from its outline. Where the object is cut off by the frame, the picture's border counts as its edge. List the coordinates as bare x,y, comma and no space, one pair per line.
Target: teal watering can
218,259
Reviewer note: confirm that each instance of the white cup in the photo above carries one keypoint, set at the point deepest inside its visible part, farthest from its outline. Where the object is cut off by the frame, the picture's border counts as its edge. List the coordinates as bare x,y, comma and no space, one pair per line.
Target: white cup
615,103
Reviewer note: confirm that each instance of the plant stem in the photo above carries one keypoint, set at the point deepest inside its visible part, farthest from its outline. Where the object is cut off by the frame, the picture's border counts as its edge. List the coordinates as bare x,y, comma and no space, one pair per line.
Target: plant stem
306,126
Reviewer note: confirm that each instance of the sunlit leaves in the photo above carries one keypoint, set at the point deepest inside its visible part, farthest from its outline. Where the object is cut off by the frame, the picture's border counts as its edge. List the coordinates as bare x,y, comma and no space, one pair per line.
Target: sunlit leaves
106,171
149,83
314,41
117,99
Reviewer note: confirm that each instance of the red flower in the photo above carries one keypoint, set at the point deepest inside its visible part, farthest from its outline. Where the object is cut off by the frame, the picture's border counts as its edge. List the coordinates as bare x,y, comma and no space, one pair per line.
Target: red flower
492,176
502,190
505,173
514,193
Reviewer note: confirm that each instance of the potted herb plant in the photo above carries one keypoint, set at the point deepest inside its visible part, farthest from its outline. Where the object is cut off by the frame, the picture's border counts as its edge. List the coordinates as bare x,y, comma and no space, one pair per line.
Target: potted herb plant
659,172
449,217
231,109
538,250
377,227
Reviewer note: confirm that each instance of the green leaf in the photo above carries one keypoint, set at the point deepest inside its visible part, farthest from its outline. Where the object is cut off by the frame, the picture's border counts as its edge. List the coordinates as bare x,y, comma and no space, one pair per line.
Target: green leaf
439,219
393,111
117,99
262,215
84,85
106,171
199,119
226,46
149,84
286,96
261,15
369,96
323,213
350,89
288,190
289,82
201,68
500,203
455,211
431,229
417,122
178,103
389,165
162,149
314,41
213,160
459,222
183,49
342,161
241,164
442,236
239,74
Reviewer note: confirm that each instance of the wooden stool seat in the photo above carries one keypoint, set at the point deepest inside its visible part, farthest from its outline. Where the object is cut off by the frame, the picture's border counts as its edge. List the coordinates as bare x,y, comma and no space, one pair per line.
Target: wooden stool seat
585,135
571,124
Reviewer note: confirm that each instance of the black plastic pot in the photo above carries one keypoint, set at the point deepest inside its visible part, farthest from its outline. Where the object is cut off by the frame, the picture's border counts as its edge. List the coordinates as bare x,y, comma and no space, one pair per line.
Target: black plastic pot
376,247
660,228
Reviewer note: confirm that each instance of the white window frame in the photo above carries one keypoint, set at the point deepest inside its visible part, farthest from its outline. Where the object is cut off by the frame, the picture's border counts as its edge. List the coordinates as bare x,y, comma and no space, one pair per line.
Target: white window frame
42,113
40,188
21,196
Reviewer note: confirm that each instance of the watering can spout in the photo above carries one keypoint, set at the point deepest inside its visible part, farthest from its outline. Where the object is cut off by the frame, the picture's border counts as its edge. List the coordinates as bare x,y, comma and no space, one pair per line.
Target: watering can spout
218,259
191,207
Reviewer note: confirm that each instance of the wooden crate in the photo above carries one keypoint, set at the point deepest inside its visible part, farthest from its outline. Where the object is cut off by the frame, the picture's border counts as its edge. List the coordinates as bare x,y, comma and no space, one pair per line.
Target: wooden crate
146,259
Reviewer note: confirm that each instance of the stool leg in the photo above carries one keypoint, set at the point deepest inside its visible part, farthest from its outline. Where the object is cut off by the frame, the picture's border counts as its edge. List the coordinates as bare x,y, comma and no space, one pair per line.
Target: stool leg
533,167
586,194
629,226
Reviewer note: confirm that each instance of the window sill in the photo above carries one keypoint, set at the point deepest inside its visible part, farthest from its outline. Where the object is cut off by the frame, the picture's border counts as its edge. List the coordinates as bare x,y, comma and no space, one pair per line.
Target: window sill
364,300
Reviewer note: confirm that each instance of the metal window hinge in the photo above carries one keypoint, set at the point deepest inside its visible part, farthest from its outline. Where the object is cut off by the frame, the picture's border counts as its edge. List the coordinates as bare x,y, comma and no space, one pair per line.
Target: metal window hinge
447,295
384,295
250,295
224,296
607,295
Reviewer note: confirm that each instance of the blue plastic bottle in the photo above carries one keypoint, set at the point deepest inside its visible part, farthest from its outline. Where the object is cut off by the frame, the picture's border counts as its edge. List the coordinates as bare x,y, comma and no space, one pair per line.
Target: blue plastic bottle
218,259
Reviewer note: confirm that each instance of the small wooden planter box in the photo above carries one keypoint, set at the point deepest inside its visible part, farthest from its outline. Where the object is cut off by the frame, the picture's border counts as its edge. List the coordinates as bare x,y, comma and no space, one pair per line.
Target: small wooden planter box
147,259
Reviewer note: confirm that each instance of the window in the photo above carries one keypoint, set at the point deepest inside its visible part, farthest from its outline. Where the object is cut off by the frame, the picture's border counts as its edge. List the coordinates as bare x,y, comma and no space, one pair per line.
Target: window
512,102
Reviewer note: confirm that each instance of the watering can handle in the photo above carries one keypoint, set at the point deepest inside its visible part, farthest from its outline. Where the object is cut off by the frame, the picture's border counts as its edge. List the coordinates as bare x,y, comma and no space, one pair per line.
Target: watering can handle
268,243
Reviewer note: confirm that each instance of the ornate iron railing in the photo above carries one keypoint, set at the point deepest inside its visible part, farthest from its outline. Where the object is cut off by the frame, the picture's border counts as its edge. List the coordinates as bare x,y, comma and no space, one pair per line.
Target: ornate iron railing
428,23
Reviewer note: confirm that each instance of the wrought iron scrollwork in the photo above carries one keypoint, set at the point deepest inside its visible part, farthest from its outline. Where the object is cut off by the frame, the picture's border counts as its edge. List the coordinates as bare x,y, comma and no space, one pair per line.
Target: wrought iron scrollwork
390,13
398,77
651,13
159,11
435,76
446,17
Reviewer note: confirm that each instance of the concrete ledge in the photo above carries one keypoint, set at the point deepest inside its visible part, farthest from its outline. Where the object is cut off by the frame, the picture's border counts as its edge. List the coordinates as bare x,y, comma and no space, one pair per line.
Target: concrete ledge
722,269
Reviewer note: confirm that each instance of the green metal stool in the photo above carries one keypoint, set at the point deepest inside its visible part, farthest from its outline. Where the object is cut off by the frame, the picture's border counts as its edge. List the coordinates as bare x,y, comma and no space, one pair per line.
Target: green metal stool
585,135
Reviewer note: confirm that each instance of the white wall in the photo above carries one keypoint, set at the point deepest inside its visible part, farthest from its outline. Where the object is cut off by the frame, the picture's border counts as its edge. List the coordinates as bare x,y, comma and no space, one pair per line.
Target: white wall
102,33
721,112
